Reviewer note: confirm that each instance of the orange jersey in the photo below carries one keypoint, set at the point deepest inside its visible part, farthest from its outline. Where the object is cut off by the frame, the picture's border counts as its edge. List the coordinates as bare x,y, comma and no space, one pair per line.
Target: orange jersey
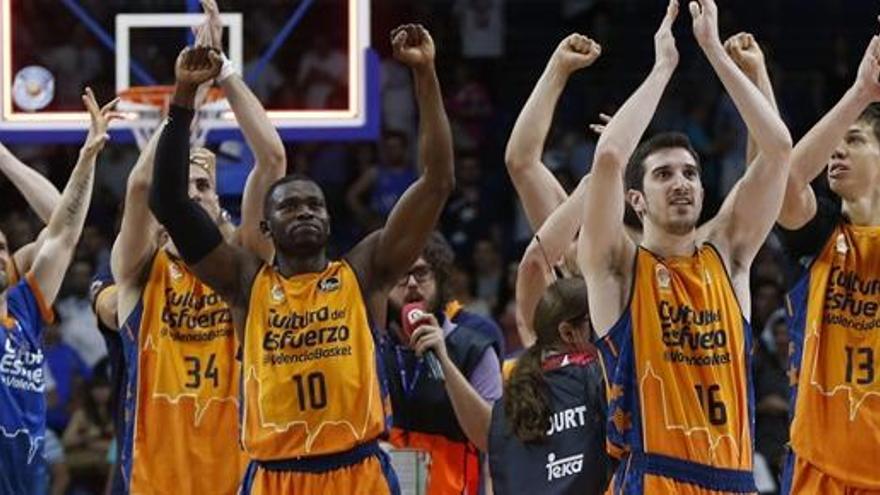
835,327
182,400
312,384
678,375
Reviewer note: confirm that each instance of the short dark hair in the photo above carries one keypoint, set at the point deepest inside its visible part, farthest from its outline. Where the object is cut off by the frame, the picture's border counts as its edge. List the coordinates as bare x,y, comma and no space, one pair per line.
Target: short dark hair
634,177
871,116
395,134
439,254
287,179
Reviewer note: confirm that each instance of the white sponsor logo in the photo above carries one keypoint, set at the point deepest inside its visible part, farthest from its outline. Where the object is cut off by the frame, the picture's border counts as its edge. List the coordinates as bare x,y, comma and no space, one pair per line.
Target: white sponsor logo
574,417
565,467
21,369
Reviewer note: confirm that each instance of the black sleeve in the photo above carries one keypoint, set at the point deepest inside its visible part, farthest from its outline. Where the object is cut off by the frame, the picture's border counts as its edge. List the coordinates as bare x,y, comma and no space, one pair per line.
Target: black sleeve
190,227
808,241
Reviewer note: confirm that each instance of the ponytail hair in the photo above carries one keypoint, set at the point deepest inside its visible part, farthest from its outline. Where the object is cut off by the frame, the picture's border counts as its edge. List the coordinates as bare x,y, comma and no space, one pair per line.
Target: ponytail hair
526,395
526,403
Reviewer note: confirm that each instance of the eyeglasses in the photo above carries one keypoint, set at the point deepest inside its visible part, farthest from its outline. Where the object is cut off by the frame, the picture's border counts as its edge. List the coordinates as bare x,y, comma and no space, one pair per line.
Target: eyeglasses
421,273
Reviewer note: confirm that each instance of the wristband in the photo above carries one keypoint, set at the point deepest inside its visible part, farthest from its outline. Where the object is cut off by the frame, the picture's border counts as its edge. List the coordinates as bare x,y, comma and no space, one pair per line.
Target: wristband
227,70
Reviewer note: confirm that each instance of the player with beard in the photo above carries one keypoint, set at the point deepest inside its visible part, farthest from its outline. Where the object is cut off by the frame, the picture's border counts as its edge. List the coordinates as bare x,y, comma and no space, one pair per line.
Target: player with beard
313,399
423,415
835,431
672,311
26,307
182,377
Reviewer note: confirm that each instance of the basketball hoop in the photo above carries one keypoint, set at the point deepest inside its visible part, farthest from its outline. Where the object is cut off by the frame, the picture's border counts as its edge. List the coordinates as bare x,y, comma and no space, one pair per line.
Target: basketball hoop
145,106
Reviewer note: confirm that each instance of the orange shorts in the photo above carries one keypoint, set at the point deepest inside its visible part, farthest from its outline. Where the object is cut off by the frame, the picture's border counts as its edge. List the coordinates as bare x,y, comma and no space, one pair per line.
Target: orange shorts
355,472
801,477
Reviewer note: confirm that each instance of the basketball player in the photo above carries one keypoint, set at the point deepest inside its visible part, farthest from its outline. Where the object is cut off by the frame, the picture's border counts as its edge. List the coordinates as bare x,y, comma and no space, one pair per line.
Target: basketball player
675,342
547,434
27,306
40,195
183,380
314,403
835,432
537,188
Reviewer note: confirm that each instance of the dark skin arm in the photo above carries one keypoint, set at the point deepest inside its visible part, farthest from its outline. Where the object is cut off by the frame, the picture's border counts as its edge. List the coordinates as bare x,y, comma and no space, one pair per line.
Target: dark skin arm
384,256
227,269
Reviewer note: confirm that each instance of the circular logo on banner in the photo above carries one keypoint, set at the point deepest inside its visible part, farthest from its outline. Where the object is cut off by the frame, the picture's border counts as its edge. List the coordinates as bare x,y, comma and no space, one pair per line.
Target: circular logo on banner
33,88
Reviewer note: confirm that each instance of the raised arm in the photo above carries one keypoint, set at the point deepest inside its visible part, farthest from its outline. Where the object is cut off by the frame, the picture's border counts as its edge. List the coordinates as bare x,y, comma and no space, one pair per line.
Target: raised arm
771,135
39,193
37,190
198,239
261,136
604,201
536,187
758,197
66,223
137,240
604,251
416,213
546,250
748,56
812,152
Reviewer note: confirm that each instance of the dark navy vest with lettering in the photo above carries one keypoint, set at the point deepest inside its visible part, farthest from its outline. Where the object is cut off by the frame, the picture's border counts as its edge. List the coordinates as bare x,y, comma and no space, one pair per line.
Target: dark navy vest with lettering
572,460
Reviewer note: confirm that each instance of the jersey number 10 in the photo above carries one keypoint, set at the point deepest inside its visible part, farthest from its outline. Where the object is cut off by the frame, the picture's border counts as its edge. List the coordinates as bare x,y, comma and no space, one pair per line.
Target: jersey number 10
311,391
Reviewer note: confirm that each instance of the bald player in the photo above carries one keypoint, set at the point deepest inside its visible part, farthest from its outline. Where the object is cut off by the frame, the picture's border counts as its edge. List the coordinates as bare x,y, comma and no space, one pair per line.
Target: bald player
313,395
182,376
672,311
27,306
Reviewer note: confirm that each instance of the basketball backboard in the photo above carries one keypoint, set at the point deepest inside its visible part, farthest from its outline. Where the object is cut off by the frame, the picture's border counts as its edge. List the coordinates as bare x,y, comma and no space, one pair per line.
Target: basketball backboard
309,62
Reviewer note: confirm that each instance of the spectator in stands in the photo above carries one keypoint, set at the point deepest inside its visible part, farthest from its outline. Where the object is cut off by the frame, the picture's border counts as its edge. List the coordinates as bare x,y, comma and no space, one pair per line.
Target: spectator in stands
322,75
78,322
488,271
70,372
469,214
57,476
383,184
89,434
771,392
481,25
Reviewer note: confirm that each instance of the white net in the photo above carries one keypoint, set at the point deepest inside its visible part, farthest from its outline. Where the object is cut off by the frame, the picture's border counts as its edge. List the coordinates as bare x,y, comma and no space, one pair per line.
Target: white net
144,117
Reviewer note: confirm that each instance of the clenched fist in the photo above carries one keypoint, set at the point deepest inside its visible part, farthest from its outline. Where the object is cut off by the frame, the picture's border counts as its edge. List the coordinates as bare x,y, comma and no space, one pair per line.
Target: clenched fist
413,46
575,52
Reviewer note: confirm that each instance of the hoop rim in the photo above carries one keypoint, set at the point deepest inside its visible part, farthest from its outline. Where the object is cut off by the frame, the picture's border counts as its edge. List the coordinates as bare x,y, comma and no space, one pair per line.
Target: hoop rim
160,96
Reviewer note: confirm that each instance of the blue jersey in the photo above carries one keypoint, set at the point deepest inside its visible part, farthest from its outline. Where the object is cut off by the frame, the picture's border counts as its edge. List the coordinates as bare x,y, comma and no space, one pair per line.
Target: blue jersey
22,389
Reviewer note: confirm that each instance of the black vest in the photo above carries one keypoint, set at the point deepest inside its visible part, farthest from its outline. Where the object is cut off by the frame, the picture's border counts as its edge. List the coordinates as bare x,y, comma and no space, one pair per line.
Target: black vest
425,406
572,459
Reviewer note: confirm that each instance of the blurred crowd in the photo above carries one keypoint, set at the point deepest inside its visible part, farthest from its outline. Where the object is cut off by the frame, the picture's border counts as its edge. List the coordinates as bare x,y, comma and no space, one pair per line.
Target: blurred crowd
490,54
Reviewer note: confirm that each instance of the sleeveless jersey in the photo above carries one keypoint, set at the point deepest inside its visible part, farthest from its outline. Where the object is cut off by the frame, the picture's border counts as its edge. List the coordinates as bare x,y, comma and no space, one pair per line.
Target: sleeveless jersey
571,460
22,389
835,328
677,365
312,384
182,385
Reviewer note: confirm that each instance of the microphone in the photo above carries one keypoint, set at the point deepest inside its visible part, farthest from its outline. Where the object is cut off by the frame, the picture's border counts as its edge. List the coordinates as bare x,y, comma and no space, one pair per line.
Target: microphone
410,317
